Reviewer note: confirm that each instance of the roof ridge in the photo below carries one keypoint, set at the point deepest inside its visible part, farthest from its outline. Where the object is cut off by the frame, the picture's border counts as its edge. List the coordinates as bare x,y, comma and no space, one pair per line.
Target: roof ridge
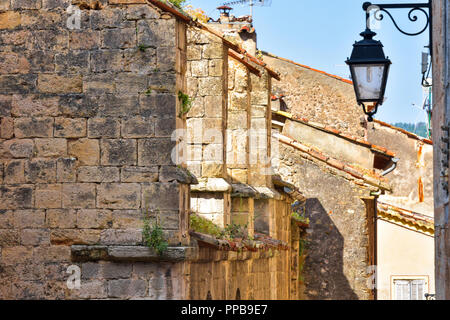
373,179
409,134
419,215
307,67
415,218
165,5
331,130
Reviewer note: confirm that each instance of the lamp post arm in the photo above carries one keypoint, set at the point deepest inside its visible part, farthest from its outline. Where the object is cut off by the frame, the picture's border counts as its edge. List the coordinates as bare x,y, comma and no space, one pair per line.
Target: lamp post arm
414,7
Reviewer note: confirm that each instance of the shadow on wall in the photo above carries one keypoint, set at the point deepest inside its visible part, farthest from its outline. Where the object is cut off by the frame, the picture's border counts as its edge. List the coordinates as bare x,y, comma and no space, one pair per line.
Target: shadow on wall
323,270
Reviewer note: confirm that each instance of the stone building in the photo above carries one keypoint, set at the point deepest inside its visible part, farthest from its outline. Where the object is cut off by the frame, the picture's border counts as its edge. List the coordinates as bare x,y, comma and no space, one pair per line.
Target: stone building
342,178
441,131
315,110
405,225
96,138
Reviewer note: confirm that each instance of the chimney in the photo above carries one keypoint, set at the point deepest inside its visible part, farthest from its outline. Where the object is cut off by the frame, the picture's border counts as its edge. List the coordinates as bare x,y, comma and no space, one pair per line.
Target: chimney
224,14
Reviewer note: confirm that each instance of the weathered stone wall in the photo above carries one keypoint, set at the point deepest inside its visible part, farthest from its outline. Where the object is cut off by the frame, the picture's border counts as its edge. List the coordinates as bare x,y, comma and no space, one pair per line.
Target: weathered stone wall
238,122
338,237
318,97
207,76
412,180
441,45
86,122
256,276
207,61
261,130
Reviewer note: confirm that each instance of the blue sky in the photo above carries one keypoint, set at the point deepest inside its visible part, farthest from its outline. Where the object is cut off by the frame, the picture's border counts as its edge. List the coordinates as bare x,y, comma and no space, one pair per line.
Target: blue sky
320,33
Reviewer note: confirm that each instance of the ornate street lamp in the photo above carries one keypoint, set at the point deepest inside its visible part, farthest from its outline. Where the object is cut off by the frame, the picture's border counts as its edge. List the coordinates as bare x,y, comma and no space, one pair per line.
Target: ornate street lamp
369,69
369,66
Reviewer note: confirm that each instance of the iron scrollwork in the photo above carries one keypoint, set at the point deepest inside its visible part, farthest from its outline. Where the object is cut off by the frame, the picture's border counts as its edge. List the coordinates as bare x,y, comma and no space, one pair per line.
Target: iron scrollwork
414,8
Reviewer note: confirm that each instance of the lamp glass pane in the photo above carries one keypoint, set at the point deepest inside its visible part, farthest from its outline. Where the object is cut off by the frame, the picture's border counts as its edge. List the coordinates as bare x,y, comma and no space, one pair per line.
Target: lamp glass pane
369,80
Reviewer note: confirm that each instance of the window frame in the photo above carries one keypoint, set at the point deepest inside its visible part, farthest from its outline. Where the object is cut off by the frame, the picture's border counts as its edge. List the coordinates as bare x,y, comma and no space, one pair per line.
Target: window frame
426,278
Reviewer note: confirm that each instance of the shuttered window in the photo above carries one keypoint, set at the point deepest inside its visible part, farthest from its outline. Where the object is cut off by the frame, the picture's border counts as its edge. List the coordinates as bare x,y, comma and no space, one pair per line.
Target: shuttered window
409,289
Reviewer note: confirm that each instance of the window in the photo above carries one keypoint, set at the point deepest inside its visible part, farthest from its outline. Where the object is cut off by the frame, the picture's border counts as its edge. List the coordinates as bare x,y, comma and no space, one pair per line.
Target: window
410,289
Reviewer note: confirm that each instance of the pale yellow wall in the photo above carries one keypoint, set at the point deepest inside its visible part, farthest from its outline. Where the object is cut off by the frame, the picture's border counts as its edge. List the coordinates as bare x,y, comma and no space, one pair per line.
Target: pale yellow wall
402,252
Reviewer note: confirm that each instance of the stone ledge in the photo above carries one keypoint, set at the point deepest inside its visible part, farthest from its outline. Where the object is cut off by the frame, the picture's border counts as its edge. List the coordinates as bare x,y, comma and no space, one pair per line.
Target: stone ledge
81,253
211,185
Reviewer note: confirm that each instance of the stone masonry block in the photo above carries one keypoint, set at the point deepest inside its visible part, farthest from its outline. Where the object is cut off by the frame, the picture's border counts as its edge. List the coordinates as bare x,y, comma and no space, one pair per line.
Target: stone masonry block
68,237
49,196
60,84
200,68
127,219
107,60
17,83
156,33
34,219
138,12
158,105
98,174
5,105
35,237
118,152
161,196
210,86
138,127
113,105
16,197
51,148
33,127
78,106
86,151
61,218
66,170
94,219
72,62
17,148
40,171
99,83
126,288
131,83
119,38
165,127
119,196
26,4
6,128
213,50
155,151
103,128
14,172
84,40
78,195
70,128
34,105
139,174
128,237
94,289
112,270
166,57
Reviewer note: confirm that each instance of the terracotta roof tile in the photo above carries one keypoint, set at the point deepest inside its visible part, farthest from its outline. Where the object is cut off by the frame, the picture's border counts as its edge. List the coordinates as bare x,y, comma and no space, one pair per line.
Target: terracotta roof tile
309,68
366,175
187,19
415,218
337,132
409,134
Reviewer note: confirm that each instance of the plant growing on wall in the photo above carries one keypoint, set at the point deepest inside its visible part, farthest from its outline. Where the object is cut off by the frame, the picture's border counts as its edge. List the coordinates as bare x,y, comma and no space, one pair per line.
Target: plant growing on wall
203,225
153,234
299,212
196,14
230,232
177,3
186,103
